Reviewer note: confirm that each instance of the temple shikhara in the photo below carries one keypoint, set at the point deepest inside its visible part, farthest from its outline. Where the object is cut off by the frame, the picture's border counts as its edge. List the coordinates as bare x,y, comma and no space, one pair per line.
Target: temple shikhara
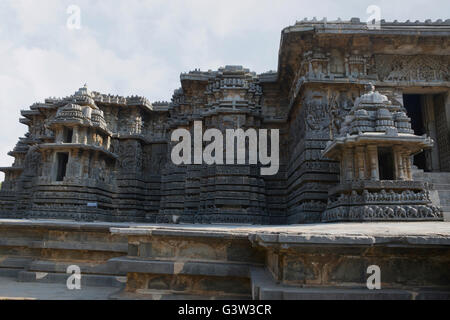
364,129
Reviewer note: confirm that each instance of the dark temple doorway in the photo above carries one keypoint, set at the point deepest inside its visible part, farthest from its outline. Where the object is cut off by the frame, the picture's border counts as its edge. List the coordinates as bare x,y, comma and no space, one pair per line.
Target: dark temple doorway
386,163
62,160
413,106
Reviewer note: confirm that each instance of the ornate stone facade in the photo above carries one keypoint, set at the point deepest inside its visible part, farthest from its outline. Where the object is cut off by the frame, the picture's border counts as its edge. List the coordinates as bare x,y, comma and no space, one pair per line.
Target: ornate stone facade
374,148
92,156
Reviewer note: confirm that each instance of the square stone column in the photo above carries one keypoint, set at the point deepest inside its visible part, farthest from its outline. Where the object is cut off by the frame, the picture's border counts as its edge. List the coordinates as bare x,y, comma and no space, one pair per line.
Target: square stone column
347,169
372,151
399,164
428,112
59,135
407,166
360,162
76,135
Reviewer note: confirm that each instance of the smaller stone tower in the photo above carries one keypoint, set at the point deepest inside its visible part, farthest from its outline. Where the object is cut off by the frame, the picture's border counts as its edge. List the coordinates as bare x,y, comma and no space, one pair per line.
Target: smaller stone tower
374,147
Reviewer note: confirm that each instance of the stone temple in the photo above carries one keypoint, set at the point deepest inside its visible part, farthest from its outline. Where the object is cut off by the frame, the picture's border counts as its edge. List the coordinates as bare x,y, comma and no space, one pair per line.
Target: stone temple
92,156
364,120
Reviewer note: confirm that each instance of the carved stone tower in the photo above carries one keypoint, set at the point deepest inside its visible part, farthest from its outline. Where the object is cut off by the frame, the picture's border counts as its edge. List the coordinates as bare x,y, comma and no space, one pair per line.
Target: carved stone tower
374,148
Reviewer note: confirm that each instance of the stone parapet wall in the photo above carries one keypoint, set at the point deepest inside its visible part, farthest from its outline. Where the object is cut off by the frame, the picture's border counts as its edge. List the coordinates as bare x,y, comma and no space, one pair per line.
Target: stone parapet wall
155,261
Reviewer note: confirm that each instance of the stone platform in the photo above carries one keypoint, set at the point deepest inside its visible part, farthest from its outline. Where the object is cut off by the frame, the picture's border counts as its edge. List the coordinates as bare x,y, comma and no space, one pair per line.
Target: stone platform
151,261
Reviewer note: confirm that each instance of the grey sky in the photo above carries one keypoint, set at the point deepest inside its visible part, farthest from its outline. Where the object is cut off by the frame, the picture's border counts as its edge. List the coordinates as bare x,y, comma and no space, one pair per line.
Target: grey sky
130,47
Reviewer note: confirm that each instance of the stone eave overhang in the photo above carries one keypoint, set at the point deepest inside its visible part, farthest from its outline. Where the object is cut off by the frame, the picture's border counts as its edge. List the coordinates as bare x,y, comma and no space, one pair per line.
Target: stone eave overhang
29,114
9,169
145,107
411,234
377,185
362,29
99,99
202,77
25,121
161,106
71,146
275,120
17,152
140,137
291,46
43,106
213,112
78,122
413,142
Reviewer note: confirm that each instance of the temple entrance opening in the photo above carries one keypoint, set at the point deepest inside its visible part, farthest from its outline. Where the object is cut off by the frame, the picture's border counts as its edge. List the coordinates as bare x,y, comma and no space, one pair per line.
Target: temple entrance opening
62,160
414,108
429,116
386,163
68,135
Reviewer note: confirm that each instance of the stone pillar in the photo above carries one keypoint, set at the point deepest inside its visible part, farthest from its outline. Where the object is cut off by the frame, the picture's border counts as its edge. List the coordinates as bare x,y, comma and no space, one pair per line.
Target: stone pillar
348,165
430,127
108,142
407,165
47,163
398,163
360,163
444,134
347,67
75,137
372,151
54,164
447,112
84,135
59,135
71,163
85,164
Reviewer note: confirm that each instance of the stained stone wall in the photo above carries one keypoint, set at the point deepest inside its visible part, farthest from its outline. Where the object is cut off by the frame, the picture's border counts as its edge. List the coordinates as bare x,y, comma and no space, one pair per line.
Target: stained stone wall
92,156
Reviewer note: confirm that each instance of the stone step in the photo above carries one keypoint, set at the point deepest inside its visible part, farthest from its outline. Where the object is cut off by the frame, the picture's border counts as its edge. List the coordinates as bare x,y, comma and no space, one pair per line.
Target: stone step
441,187
9,272
264,287
201,268
444,201
11,266
171,295
165,247
446,213
437,177
86,268
444,197
89,280
15,262
190,278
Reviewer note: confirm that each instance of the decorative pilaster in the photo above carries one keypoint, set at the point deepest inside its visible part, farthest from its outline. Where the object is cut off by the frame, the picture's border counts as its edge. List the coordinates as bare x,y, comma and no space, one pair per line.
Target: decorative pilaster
348,167
75,137
399,167
373,160
360,162
407,166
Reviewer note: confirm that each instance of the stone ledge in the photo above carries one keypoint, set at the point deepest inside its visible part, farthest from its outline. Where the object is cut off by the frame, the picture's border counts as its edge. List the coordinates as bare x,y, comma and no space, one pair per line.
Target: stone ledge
89,280
400,233
217,269
404,233
264,287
